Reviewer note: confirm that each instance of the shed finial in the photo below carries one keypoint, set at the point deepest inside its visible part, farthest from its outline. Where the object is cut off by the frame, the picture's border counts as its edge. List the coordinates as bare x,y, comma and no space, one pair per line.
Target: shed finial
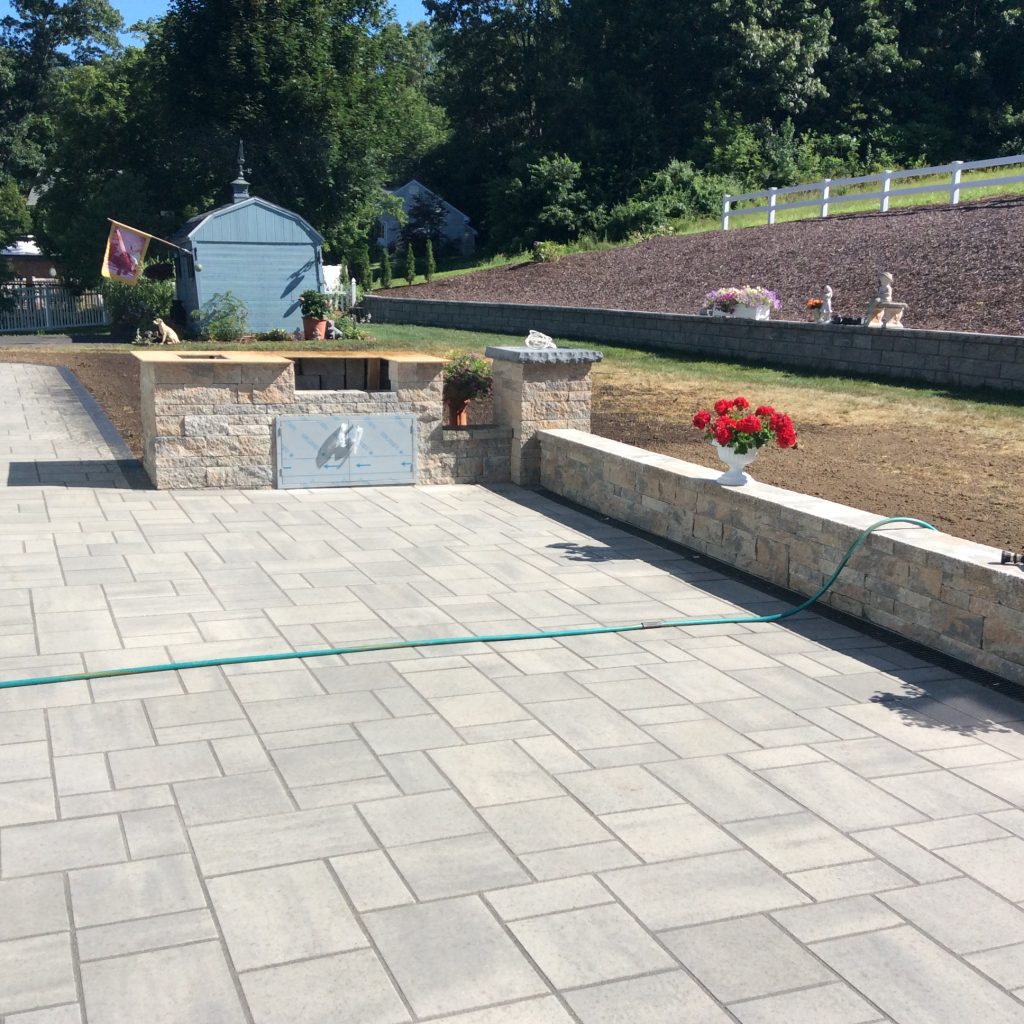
240,187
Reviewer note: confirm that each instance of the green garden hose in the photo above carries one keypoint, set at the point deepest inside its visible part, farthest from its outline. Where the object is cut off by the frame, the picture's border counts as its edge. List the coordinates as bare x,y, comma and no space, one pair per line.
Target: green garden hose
392,645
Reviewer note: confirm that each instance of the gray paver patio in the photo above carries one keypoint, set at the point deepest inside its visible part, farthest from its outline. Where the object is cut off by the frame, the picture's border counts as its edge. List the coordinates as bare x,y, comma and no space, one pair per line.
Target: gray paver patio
735,823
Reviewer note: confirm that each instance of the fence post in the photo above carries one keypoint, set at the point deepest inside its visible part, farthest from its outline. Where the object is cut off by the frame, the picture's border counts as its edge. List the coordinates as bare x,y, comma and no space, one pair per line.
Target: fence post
771,204
886,186
726,203
826,191
954,185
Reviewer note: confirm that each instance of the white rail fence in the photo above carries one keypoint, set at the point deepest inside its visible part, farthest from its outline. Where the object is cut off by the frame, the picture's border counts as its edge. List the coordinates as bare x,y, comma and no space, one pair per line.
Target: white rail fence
826,199
47,306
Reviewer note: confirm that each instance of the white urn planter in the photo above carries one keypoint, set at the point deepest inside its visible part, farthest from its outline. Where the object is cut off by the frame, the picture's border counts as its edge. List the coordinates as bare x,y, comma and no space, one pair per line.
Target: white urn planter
734,476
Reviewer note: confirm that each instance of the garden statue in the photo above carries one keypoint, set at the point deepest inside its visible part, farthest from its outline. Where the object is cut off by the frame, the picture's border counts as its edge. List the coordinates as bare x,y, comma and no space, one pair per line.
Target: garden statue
825,313
167,336
537,340
882,311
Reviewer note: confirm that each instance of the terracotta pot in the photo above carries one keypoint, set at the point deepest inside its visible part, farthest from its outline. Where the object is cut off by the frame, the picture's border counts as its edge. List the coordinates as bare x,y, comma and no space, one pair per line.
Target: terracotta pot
313,328
458,412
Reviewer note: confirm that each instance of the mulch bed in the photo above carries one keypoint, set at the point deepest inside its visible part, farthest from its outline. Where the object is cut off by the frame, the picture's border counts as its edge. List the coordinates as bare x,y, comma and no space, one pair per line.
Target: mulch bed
958,268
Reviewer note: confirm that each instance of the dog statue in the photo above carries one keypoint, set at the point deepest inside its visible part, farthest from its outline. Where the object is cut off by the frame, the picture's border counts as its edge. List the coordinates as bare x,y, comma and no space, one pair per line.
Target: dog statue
166,335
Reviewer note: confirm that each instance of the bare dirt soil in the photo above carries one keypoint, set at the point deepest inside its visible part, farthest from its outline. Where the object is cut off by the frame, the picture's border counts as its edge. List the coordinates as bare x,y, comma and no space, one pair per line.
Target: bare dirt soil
958,268
963,477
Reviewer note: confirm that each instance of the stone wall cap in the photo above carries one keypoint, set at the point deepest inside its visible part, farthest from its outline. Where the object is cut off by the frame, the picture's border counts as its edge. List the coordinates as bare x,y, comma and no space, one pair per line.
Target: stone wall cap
522,354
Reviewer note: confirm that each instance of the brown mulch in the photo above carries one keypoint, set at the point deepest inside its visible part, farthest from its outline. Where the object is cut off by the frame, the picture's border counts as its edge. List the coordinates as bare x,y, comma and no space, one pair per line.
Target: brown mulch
958,268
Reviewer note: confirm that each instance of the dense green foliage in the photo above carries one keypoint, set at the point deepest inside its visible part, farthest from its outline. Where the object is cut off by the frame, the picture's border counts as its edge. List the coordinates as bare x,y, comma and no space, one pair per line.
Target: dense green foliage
385,269
544,120
224,317
429,263
132,307
410,263
612,94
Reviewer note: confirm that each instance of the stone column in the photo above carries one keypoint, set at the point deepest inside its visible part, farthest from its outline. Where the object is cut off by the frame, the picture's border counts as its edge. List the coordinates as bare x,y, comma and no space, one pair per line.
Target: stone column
540,389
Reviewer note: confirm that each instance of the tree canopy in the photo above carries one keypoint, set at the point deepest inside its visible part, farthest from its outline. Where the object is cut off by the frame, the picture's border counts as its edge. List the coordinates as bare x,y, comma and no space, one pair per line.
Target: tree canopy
541,119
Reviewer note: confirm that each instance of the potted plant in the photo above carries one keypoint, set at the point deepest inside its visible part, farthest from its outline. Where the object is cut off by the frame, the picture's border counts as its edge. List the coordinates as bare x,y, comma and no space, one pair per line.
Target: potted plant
747,302
466,376
315,307
737,439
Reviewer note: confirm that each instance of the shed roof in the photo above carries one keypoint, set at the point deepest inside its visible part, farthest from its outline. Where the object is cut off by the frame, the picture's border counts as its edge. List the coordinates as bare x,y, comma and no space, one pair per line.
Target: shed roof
188,230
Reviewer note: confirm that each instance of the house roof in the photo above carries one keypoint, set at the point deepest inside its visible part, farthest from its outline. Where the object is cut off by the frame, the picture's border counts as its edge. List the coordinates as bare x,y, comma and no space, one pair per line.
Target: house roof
401,190
190,227
22,247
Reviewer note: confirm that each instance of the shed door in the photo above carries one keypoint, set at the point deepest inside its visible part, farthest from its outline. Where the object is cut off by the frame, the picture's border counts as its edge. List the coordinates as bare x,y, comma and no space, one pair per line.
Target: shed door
345,451
267,277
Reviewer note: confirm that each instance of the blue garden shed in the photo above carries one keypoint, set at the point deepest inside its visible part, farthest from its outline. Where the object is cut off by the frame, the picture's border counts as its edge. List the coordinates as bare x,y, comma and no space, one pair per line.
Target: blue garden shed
262,253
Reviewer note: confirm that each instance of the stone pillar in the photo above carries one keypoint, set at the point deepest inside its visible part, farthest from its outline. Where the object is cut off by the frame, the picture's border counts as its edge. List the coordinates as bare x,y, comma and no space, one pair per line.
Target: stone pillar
540,389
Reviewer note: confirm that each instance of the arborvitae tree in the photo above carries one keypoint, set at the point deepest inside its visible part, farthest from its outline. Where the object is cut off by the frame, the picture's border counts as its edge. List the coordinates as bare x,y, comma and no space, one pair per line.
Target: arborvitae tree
410,263
365,269
431,266
385,269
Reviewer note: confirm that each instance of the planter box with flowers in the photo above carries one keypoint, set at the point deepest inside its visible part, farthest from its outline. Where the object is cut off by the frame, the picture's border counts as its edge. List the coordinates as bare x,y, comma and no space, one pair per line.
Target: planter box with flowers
747,303
466,376
737,440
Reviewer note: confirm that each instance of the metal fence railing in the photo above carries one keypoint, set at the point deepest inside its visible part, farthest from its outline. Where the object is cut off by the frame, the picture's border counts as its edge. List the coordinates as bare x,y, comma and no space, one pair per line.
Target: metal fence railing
47,306
826,196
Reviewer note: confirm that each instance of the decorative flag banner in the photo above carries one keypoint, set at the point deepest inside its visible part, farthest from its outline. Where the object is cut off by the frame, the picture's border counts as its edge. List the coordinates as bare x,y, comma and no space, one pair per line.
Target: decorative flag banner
126,251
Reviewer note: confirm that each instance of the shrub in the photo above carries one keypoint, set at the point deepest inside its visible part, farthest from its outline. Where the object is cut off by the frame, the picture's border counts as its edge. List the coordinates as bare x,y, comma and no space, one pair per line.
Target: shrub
222,318
467,376
547,252
385,269
429,265
275,334
365,270
678,191
410,263
133,307
314,304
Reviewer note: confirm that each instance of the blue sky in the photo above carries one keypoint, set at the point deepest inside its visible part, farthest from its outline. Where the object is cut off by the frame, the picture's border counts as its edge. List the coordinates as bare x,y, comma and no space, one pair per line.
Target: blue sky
138,10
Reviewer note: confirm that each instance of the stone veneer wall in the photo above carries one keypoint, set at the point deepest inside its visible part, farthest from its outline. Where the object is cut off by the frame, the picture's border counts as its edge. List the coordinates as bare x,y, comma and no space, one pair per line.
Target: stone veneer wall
210,423
938,590
935,357
532,394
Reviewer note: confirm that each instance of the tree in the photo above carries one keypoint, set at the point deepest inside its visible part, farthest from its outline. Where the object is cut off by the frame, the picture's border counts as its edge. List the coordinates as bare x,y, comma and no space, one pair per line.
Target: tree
385,268
39,41
322,91
410,263
429,266
425,219
14,221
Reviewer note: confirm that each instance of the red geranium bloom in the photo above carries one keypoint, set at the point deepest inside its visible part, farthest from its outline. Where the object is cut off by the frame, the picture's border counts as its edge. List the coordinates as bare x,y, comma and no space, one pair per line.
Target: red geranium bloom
749,425
702,419
722,432
722,406
764,410
741,403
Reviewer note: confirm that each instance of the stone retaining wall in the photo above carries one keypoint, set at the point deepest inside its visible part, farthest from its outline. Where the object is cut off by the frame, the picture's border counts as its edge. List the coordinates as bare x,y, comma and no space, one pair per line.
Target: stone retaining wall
948,594
934,357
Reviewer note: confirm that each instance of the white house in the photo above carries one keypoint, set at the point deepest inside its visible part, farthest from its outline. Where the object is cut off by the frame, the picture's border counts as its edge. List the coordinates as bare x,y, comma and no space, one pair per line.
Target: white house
456,230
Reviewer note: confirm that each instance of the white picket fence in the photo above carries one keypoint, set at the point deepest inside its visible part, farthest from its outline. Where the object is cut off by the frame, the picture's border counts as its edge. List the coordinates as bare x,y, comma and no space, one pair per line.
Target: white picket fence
825,199
47,306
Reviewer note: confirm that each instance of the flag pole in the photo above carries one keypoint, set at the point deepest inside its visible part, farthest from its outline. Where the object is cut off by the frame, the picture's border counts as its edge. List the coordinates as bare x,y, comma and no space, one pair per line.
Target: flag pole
155,238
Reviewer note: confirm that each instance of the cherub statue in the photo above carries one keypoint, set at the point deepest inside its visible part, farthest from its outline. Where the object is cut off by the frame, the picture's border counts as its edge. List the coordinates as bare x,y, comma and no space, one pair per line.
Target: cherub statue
882,311
825,313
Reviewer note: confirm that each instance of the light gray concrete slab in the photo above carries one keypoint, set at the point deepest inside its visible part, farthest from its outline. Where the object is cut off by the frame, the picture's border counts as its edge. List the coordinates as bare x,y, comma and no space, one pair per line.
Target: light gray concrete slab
523,833
452,955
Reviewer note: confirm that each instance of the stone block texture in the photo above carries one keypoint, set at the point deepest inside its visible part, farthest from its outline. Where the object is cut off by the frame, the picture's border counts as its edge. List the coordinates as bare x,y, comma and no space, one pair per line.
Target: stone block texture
946,593
936,357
